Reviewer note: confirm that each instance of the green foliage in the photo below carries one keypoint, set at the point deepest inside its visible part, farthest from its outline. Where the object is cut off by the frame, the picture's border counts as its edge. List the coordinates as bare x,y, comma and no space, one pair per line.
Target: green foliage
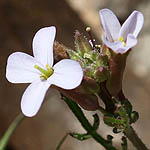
96,122
95,64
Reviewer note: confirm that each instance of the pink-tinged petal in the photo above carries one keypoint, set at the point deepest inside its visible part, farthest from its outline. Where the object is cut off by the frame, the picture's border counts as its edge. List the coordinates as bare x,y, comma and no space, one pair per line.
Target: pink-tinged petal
131,41
110,24
115,46
67,74
132,25
33,97
20,68
43,45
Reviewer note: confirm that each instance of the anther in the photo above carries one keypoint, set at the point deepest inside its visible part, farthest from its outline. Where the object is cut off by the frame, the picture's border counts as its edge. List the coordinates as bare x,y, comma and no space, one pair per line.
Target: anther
88,30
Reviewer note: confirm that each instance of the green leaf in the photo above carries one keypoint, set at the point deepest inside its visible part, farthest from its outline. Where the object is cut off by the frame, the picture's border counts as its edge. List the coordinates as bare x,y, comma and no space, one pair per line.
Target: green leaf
80,137
96,121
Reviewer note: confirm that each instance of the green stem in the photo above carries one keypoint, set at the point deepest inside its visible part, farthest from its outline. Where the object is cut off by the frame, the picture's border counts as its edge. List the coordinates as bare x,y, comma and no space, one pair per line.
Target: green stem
62,141
135,140
86,125
4,140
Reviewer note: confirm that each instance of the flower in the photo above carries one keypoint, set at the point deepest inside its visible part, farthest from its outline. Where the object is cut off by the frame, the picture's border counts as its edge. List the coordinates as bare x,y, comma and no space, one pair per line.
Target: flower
120,38
38,70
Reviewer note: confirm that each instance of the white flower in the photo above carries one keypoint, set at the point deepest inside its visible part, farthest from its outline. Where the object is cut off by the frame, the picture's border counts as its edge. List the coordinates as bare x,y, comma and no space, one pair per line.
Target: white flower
38,70
120,38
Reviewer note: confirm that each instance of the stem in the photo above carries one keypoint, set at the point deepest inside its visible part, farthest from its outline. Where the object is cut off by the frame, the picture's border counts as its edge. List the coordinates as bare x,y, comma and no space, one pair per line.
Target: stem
62,141
135,140
4,140
86,125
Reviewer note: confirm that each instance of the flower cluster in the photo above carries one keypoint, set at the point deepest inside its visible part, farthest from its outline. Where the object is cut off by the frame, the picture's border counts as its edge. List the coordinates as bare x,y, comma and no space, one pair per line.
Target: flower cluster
68,74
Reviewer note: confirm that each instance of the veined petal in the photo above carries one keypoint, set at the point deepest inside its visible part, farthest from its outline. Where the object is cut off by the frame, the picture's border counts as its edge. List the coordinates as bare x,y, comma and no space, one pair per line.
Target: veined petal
43,45
115,46
132,25
20,68
67,74
110,24
131,41
33,97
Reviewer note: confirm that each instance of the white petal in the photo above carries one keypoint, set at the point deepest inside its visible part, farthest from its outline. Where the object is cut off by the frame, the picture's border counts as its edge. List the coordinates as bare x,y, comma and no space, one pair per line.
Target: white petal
132,25
20,68
43,45
115,46
110,24
131,41
33,97
67,74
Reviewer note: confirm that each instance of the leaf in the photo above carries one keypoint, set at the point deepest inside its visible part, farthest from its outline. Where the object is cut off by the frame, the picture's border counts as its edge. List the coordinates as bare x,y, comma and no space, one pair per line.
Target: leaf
96,121
80,137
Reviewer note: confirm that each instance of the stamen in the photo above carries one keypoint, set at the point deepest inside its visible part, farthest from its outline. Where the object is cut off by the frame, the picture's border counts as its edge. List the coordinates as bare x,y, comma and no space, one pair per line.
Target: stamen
88,29
121,39
45,74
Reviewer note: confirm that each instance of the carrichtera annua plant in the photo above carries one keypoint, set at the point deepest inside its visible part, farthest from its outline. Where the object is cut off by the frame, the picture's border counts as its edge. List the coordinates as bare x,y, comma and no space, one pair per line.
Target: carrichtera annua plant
84,76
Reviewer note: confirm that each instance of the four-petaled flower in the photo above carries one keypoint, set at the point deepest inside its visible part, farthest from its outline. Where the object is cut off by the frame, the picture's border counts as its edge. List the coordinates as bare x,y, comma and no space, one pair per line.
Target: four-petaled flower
38,70
120,39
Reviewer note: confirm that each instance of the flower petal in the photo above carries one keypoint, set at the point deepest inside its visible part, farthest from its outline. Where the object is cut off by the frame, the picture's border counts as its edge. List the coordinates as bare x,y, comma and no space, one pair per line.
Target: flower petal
43,45
20,68
132,25
110,24
67,74
33,97
131,41
116,46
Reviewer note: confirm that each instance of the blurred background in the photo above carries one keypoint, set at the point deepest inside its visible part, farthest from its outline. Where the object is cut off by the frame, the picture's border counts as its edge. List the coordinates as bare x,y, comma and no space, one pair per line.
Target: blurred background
19,21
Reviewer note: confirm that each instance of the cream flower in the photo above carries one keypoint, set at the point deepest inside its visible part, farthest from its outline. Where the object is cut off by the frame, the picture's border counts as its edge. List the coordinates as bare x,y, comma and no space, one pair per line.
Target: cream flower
120,38
40,72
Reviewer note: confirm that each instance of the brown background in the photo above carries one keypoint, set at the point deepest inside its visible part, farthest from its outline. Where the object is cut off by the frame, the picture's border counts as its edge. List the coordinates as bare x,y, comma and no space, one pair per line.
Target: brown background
19,20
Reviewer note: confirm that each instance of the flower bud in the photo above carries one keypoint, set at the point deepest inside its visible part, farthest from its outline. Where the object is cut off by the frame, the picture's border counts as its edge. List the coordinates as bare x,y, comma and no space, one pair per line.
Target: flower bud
102,74
60,51
82,45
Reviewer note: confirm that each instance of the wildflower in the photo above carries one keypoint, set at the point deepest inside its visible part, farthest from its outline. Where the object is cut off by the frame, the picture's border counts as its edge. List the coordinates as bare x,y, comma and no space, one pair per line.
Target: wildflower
40,72
120,38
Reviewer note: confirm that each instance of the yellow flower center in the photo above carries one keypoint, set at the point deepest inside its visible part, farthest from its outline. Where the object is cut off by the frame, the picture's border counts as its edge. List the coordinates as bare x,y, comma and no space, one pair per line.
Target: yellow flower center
121,39
45,74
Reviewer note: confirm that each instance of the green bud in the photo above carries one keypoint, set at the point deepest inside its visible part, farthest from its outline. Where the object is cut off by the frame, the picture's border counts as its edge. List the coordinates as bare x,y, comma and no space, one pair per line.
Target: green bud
134,117
82,45
74,55
102,60
127,106
89,71
101,74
